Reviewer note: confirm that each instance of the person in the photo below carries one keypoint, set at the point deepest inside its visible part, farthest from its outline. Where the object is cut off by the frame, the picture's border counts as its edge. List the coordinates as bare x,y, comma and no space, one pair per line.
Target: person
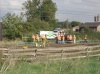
68,38
85,39
33,37
37,38
43,39
74,39
59,38
63,38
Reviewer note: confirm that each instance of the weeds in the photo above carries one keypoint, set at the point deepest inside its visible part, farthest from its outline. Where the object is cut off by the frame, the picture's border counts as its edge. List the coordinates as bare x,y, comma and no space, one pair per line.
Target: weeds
76,66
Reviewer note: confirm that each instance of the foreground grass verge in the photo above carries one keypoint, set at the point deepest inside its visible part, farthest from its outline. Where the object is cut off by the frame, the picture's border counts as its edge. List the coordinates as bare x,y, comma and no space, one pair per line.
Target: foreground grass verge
73,66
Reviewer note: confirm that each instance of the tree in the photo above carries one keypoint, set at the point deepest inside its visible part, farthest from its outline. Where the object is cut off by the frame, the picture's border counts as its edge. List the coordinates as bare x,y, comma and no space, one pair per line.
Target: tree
66,24
40,25
48,10
75,23
11,28
41,9
31,7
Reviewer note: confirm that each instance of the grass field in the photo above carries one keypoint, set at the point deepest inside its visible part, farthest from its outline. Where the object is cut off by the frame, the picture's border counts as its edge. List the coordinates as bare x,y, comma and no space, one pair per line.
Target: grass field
44,66
72,66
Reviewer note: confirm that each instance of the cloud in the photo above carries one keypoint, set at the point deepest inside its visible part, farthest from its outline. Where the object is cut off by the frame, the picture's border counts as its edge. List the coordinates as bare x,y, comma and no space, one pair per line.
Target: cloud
77,10
13,6
74,10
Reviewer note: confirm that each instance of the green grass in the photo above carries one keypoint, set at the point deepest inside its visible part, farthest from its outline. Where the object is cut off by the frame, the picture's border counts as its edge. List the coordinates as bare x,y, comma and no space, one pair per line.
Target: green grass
74,66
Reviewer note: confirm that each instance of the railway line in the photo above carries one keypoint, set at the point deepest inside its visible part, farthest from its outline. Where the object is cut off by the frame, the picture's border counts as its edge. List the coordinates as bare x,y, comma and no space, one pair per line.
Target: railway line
52,52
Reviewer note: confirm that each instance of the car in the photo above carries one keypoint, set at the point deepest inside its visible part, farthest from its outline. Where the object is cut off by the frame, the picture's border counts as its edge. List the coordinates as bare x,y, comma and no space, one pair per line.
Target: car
57,29
56,32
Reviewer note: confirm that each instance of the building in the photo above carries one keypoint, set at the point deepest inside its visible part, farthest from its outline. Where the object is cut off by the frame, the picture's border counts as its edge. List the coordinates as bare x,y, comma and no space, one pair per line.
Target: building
0,31
95,26
76,28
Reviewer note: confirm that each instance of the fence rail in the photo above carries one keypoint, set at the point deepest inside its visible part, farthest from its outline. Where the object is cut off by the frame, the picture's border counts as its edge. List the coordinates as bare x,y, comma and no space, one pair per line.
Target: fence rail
33,54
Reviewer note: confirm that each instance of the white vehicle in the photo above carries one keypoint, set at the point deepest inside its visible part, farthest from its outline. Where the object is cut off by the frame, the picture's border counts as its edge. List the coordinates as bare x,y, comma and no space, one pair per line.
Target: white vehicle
49,34
56,30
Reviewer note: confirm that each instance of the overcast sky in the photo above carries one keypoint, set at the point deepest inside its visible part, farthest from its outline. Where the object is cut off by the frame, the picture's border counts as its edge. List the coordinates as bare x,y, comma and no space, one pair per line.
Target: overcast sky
73,10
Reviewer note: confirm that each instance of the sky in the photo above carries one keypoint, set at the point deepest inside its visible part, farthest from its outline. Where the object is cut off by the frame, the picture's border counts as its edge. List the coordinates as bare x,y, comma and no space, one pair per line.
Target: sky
71,10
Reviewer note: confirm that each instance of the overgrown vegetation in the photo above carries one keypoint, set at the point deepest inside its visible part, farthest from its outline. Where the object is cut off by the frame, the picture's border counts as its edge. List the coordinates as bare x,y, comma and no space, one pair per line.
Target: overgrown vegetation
91,35
74,66
40,15
1,61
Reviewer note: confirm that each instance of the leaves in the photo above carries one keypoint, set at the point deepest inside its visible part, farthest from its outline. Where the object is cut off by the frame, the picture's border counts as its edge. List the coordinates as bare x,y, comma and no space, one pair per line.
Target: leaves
10,25
75,23
40,16
43,10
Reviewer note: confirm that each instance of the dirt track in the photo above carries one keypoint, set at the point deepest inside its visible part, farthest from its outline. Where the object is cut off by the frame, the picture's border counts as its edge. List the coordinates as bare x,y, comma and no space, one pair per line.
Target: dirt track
72,46
53,46
67,45
54,50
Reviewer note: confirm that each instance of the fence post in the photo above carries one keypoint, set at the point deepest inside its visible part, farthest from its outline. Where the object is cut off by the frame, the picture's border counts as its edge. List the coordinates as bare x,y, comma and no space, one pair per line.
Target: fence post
87,54
35,53
61,61
1,54
46,63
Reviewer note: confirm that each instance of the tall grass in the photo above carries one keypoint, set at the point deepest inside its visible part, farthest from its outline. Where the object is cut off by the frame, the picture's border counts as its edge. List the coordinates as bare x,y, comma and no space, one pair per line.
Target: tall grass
73,66
92,35
1,61
10,43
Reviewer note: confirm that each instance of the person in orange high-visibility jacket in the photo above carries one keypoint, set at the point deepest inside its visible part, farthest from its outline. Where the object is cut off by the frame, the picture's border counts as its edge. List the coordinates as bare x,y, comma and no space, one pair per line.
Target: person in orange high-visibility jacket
43,36
37,39
43,39
70,37
85,38
33,37
63,38
59,38
74,37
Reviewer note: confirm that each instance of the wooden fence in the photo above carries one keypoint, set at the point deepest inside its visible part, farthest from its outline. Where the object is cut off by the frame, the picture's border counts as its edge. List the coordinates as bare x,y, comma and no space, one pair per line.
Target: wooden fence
33,54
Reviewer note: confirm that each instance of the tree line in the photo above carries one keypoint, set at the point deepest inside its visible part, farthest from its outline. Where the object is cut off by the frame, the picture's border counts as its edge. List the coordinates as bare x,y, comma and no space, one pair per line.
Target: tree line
39,14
